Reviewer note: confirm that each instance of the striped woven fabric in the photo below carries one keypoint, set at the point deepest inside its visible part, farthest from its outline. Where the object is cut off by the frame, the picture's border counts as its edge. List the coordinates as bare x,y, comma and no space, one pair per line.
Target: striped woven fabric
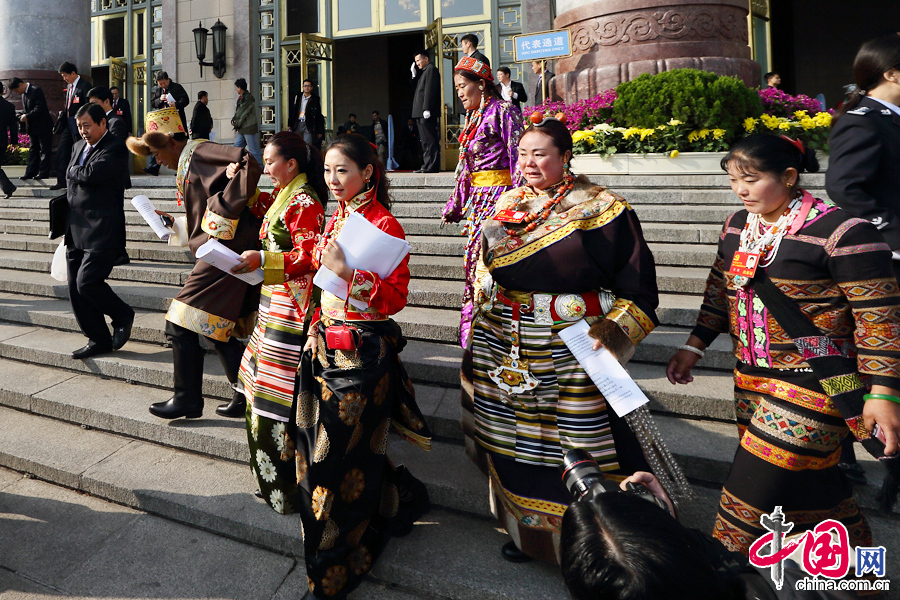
269,365
566,410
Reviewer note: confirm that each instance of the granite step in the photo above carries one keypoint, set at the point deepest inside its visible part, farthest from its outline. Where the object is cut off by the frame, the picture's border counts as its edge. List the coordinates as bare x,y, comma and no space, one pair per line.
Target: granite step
448,554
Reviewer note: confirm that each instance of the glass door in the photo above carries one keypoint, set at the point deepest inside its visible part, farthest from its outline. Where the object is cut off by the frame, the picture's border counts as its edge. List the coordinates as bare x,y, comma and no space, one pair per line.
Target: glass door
309,58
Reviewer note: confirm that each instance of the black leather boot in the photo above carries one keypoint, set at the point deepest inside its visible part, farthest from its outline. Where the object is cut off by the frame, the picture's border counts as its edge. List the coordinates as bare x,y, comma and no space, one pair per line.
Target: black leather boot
187,358
414,501
230,354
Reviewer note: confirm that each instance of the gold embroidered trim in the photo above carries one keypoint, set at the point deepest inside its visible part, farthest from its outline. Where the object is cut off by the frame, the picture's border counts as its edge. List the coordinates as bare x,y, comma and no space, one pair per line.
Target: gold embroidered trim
200,321
491,178
631,319
218,226
273,269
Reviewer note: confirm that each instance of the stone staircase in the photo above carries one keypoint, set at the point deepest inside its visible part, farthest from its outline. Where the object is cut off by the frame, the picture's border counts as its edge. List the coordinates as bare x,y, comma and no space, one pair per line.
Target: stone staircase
85,425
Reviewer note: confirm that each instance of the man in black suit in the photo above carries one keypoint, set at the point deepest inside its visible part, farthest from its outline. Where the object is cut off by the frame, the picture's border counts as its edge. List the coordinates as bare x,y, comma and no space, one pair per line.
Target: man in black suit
511,91
121,107
412,150
8,123
77,90
39,126
426,109
469,45
95,232
201,120
167,94
305,118
539,86
115,124
380,135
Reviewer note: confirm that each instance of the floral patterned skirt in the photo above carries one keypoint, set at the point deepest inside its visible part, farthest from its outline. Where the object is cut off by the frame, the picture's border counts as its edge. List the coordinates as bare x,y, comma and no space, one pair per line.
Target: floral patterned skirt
347,490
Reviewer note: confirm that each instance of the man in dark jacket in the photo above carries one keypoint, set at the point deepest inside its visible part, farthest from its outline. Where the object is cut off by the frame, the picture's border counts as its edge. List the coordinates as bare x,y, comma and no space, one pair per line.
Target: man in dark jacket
95,232
121,107
114,123
201,120
469,45
167,94
77,89
8,123
245,121
539,97
511,91
306,115
426,109
39,126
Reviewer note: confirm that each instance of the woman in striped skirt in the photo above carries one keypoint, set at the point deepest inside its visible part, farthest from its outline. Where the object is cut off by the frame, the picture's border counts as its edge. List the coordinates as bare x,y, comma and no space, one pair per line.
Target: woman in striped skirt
293,215
578,253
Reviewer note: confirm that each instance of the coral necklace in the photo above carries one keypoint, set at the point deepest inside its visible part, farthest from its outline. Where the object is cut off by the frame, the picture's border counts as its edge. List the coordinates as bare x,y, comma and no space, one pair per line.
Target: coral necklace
533,220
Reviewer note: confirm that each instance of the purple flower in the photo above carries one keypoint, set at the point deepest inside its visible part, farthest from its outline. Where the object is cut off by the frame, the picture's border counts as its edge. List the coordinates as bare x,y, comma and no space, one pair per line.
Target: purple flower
581,114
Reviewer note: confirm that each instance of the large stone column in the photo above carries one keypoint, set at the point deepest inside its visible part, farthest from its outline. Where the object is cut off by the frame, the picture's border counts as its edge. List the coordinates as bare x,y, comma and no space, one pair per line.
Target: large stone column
618,40
38,36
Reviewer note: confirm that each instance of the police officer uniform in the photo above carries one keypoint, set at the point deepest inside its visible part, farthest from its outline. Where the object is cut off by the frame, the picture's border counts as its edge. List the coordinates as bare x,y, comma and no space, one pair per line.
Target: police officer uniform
863,176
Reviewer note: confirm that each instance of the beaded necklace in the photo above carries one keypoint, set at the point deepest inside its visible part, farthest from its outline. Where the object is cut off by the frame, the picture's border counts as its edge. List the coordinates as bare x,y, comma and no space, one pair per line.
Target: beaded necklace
533,220
763,238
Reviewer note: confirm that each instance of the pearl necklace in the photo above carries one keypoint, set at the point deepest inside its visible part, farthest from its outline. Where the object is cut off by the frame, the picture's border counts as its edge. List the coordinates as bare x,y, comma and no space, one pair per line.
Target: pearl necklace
764,238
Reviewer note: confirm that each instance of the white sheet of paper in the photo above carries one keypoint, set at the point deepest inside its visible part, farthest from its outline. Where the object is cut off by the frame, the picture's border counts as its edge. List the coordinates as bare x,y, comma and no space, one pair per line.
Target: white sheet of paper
224,258
367,248
611,378
147,210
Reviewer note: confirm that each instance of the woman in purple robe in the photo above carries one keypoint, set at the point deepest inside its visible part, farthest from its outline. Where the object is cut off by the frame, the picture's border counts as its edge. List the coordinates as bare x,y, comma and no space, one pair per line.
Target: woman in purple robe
488,153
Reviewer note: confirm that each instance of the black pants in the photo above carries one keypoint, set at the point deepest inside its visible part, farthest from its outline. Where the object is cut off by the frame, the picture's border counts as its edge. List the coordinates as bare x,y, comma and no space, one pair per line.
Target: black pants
187,357
63,154
6,186
39,155
428,133
91,296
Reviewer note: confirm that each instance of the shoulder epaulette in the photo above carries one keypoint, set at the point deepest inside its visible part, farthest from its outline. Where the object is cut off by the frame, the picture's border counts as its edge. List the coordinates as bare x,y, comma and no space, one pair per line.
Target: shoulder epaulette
859,111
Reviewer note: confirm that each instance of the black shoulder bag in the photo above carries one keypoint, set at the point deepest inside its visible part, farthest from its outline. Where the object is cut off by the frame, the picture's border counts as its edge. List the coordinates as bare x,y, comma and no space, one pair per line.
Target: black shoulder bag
837,375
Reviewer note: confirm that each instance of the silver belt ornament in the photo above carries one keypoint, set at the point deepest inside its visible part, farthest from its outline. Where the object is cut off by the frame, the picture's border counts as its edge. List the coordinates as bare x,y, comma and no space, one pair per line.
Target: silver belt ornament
569,307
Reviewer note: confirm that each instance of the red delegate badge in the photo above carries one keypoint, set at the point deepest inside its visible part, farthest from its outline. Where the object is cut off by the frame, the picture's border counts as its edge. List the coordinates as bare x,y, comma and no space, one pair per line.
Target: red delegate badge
744,264
510,216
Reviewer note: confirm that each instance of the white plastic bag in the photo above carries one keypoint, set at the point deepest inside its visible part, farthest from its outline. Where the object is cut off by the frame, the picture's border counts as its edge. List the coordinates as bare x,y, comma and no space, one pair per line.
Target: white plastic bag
181,238
58,268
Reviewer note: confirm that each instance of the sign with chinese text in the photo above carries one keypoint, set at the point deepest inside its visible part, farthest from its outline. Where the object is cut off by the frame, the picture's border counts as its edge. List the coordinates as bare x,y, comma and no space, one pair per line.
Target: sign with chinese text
542,46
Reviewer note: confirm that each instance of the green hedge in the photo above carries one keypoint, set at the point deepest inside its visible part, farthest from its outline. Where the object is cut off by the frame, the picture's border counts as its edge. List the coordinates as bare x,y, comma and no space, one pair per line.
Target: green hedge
700,99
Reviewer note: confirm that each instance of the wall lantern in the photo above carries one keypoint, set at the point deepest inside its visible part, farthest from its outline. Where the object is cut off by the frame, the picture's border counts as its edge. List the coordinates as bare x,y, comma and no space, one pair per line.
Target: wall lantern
200,37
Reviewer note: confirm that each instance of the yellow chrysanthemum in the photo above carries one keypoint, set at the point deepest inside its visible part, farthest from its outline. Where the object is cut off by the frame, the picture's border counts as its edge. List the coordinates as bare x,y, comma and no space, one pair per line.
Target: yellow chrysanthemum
750,124
823,119
673,153
718,133
630,132
807,123
645,133
675,122
582,135
693,136
785,126
800,114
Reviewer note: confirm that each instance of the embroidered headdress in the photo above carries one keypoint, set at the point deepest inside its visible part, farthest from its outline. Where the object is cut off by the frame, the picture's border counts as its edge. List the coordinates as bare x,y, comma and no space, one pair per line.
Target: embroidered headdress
475,66
163,122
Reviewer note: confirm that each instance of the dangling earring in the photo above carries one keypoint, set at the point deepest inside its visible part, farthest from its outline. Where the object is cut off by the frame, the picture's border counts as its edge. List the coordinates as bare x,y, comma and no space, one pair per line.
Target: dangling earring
789,185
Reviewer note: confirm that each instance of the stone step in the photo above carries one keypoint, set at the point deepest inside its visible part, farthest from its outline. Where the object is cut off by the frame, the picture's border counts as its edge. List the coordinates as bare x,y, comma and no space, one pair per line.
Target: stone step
698,233
450,554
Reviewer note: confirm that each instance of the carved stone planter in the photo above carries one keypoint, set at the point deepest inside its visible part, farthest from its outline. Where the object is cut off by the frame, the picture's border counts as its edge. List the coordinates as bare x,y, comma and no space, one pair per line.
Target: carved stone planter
617,40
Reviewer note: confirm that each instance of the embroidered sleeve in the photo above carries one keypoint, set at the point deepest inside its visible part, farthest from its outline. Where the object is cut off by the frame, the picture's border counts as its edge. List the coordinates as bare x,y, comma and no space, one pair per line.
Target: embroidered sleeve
303,218
714,317
387,295
218,226
362,285
860,263
512,127
634,278
263,201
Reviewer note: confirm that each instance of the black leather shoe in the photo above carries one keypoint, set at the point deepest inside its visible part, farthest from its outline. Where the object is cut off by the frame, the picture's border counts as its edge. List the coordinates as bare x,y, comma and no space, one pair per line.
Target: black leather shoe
57,186
26,177
235,409
89,350
512,553
152,170
419,171
258,494
45,176
9,194
174,408
121,334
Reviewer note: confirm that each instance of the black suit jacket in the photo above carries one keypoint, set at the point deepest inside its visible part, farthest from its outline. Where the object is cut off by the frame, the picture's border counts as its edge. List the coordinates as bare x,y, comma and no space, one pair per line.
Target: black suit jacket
96,194
479,55
116,125
538,87
123,109
9,126
181,100
428,92
36,110
519,89
315,123
201,122
67,115
863,176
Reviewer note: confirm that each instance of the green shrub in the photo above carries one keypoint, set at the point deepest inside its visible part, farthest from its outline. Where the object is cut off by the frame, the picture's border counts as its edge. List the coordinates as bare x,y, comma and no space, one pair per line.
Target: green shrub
700,99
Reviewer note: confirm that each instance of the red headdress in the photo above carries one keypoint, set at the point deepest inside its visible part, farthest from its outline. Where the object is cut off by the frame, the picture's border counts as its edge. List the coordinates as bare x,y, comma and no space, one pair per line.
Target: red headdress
473,65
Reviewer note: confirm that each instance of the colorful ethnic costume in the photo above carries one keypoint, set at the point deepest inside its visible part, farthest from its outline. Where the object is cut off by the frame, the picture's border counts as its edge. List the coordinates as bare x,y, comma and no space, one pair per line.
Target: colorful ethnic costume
488,154
838,270
292,222
350,498
592,263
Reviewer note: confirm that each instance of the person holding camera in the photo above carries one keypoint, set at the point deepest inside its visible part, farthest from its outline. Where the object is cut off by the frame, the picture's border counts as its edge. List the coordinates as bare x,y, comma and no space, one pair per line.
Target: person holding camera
351,389
814,326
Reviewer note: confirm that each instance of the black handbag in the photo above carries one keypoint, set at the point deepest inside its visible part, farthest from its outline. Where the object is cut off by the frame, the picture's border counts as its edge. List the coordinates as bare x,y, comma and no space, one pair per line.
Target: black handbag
837,374
59,213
